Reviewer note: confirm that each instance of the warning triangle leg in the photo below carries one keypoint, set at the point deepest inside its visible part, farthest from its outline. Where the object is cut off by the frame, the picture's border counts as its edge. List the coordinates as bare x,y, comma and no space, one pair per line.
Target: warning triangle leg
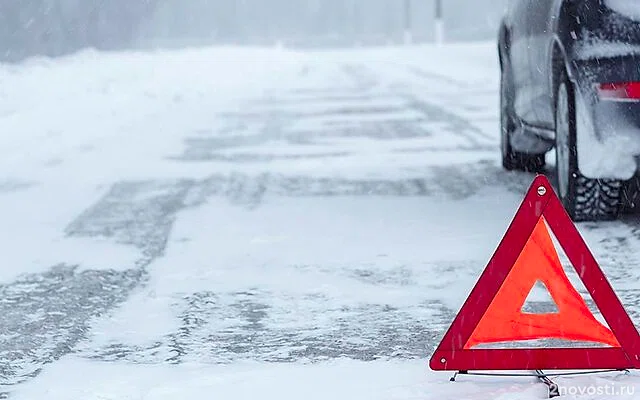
554,390
455,375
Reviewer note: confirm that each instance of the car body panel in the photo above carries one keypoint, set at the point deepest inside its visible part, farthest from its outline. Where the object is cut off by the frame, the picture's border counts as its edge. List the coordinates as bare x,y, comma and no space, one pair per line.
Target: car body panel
595,44
519,60
540,36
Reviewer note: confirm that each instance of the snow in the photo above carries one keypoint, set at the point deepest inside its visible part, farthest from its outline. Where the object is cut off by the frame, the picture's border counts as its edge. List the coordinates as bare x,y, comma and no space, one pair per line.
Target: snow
324,250
628,8
338,379
595,154
28,220
282,224
594,48
102,111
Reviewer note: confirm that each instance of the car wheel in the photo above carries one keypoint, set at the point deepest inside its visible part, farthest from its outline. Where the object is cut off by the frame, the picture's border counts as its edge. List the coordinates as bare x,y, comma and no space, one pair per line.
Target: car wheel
513,160
584,199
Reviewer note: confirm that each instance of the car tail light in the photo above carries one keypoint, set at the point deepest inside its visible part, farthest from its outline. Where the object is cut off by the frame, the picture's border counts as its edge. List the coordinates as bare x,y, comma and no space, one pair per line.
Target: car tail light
619,91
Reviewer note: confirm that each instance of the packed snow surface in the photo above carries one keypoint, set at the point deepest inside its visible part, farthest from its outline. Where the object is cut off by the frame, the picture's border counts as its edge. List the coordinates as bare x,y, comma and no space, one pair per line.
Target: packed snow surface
257,223
629,8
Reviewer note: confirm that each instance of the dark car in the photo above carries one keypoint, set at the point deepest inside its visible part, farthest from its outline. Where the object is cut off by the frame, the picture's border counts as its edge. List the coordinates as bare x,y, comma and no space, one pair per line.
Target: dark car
570,80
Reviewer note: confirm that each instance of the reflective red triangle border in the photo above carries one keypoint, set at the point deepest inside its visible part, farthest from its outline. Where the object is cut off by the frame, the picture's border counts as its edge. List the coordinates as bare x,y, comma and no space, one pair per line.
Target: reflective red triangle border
540,200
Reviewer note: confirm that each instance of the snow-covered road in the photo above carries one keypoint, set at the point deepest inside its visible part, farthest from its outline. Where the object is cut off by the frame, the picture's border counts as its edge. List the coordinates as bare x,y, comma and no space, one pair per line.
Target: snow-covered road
227,223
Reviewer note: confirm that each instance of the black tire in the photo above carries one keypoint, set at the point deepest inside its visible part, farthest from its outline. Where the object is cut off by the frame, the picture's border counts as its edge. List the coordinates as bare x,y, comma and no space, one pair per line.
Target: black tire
513,160
584,199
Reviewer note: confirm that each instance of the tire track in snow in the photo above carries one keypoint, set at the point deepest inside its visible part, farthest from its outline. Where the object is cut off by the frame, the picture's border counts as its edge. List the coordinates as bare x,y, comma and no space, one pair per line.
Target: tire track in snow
44,316
279,123
365,331
142,213
431,77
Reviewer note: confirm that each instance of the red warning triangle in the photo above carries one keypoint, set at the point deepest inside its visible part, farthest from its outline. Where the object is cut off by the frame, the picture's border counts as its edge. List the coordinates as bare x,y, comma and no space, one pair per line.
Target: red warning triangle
493,312
503,321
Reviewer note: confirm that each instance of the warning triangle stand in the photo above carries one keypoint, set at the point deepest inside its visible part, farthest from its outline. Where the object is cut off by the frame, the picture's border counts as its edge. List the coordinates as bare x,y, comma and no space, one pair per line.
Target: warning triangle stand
493,311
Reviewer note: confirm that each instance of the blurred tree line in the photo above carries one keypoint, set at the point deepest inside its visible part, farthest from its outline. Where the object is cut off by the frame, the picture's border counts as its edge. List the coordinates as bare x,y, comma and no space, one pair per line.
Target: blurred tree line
270,21
57,27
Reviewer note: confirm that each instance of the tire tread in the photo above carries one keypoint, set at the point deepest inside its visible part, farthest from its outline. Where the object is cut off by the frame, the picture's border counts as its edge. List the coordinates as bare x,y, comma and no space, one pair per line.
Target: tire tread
597,199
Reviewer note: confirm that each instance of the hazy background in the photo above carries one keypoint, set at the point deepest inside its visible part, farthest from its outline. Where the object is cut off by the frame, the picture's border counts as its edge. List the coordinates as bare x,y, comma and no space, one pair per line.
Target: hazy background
56,27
